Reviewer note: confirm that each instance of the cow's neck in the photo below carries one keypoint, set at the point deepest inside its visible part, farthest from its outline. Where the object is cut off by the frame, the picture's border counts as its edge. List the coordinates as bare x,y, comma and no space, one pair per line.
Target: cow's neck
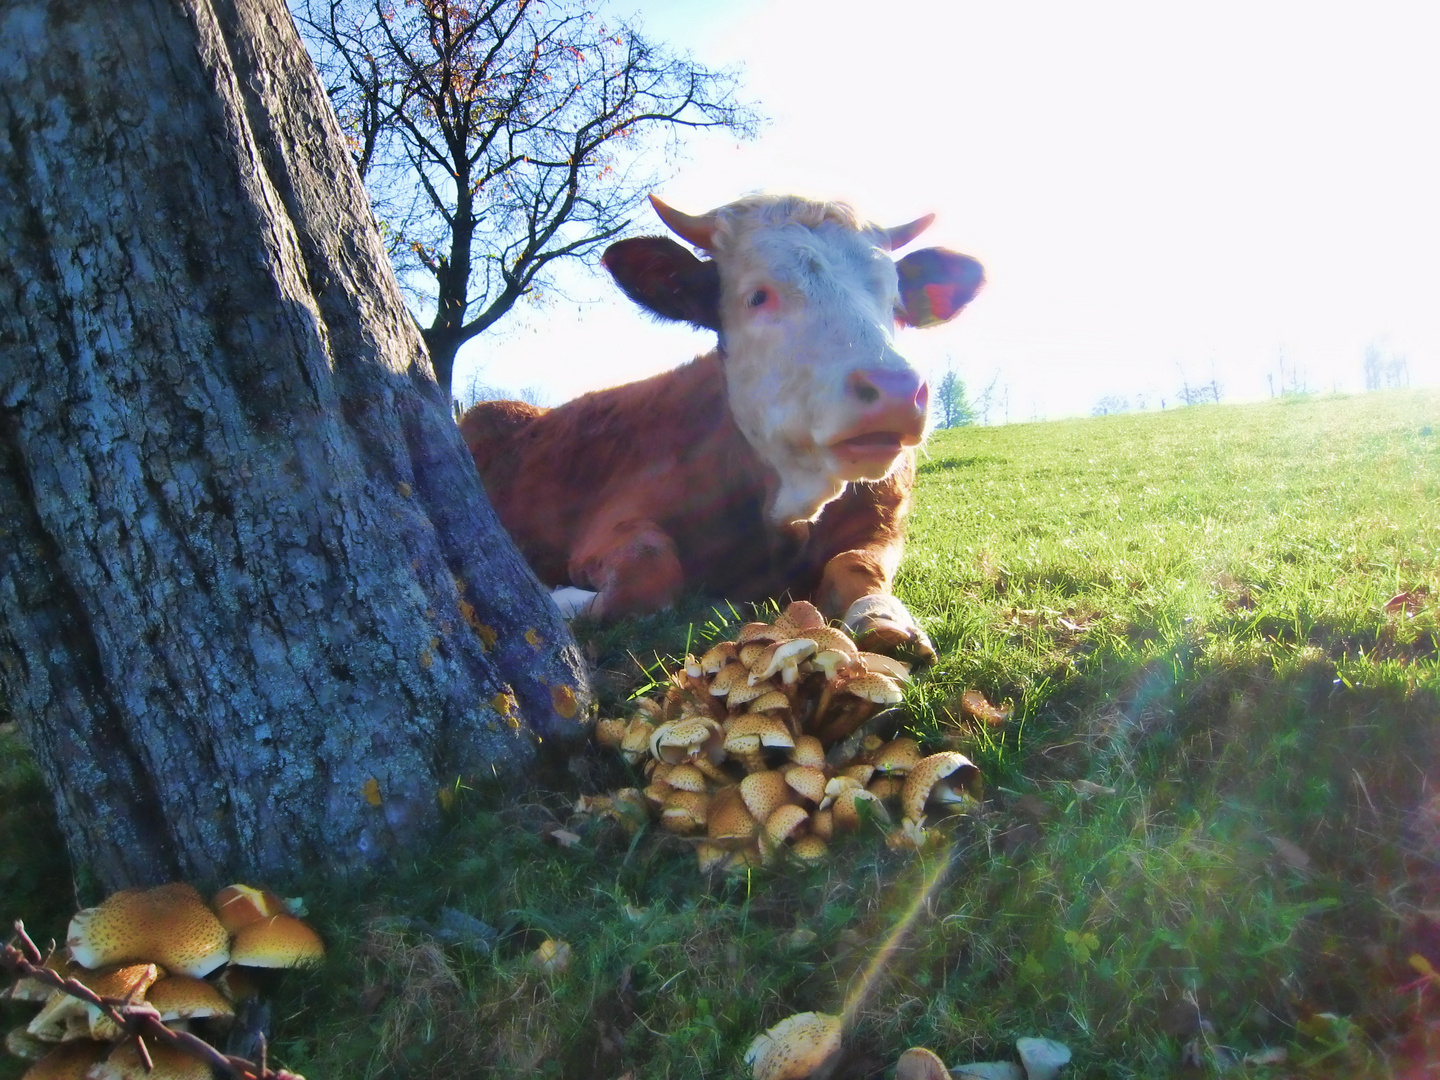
798,483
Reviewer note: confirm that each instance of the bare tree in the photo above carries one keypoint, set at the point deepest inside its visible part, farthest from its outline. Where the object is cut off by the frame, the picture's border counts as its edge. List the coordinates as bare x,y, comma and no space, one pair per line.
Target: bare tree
498,136
1110,405
985,400
255,612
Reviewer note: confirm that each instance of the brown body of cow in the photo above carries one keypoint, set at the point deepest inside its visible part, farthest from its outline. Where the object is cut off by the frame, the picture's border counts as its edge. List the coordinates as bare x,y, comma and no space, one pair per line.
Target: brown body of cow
644,491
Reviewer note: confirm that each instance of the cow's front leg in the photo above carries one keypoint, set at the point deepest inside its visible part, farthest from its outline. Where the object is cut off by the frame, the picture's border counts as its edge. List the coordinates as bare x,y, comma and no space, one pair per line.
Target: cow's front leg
858,583
632,565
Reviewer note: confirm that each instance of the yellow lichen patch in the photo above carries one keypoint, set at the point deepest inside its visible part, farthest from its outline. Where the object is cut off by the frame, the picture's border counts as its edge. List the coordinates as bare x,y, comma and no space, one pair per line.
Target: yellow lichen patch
467,612
487,635
533,638
426,659
372,792
404,489
446,795
562,698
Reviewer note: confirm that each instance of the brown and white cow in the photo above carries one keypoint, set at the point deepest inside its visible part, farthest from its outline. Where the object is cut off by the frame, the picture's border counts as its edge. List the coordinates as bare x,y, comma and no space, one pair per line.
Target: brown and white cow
779,464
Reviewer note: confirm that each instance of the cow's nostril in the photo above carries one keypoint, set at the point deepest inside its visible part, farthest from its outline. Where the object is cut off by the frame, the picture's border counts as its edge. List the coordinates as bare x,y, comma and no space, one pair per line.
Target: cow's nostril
870,386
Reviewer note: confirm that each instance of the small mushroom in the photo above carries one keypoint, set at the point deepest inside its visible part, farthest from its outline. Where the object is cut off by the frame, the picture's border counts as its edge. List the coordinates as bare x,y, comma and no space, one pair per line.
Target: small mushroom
785,823
728,676
636,742
756,631
552,957
717,656
610,733
808,751
684,812
730,822
65,1017
806,782
68,1061
880,664
165,1063
783,659
897,756
685,739
763,792
240,905
810,849
846,808
944,778
280,941
686,777
796,1047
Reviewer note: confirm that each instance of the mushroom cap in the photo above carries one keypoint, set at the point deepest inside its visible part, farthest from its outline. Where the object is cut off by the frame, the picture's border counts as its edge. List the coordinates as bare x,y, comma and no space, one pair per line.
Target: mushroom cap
829,639
808,751
782,658
552,957
795,1047
750,652
756,631
859,771
686,777
184,997
744,693
240,905
169,925
125,1063
684,811
21,1044
810,849
610,733
799,617
279,941
710,856
886,787
785,822
68,1061
881,689
725,680
920,1063
928,772
771,730
910,836
683,738
897,756
846,808
29,988
763,792
237,985
771,699
730,821
822,824
636,742
64,1016
808,783
880,664
717,656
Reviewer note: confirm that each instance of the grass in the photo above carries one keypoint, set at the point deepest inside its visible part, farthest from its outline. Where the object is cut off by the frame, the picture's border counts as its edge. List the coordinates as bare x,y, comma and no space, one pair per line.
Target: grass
1209,830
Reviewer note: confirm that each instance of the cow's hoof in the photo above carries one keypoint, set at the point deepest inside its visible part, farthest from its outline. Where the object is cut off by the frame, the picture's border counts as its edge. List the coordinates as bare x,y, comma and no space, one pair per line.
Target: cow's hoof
882,624
573,603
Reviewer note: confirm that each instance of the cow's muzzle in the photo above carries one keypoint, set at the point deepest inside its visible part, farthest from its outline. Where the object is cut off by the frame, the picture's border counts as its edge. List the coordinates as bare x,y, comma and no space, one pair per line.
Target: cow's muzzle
893,404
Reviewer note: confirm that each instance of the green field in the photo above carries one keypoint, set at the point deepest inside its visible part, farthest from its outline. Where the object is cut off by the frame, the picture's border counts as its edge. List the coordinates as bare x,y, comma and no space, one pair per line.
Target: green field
1210,829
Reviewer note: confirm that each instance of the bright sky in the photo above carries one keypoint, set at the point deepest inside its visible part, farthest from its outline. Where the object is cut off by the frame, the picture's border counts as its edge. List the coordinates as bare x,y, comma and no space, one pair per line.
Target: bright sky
1153,188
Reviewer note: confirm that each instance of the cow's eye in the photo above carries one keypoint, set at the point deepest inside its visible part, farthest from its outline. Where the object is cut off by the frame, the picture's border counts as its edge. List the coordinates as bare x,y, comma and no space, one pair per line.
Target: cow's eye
757,298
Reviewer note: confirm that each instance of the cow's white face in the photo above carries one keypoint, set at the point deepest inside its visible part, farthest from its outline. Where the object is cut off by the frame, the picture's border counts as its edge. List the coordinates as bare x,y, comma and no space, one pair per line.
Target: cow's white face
805,298
807,313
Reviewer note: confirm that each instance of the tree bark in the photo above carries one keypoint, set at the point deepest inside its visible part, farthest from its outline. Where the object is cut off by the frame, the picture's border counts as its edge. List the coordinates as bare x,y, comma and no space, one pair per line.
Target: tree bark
255,612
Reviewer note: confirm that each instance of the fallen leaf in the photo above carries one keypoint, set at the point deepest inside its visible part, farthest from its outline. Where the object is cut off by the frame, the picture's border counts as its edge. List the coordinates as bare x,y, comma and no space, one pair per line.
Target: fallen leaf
1085,789
564,837
1290,853
1271,1055
974,704
551,958
1400,601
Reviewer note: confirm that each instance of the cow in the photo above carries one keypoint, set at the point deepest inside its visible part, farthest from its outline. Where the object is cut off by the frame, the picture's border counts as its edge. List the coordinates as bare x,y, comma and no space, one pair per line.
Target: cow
778,464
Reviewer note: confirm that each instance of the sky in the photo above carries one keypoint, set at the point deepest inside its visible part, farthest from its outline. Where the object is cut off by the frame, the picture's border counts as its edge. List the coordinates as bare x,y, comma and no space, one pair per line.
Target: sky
1161,194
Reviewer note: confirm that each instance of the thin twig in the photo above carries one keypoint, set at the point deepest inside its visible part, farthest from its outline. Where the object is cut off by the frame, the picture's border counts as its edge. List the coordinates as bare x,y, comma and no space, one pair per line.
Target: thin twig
135,1018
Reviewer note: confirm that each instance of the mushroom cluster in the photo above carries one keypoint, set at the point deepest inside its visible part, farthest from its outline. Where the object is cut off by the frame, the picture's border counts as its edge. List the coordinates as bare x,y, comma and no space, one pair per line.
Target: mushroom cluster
763,745
164,947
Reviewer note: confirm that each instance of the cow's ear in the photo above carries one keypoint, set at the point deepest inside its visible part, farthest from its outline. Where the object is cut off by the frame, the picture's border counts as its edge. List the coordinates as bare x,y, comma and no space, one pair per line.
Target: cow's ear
935,284
666,279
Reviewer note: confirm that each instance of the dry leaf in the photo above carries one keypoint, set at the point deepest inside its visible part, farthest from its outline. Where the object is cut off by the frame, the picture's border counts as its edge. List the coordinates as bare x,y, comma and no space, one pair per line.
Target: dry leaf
564,837
1291,854
974,704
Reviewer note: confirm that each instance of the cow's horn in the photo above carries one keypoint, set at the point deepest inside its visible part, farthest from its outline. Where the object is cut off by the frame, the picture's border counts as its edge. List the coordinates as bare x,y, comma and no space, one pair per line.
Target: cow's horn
699,231
901,235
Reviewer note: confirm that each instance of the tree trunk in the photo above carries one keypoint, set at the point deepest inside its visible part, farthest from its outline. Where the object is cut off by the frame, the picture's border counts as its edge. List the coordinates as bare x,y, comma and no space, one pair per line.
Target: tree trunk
255,612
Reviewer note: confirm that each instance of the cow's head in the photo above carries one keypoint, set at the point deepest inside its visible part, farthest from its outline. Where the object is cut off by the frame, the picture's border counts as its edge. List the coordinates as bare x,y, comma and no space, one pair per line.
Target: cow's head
805,298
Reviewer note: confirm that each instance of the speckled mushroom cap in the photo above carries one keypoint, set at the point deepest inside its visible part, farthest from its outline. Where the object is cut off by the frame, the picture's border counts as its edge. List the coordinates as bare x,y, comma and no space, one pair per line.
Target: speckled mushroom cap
610,733
746,692
727,677
920,785
717,656
828,639
636,742
808,751
279,941
846,808
730,821
184,997
169,925
881,689
769,729
807,782
684,811
795,1047
683,738
799,617
756,631
68,1061
897,756
763,792
770,699
810,849
684,777
785,822
880,664
240,905
126,1063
